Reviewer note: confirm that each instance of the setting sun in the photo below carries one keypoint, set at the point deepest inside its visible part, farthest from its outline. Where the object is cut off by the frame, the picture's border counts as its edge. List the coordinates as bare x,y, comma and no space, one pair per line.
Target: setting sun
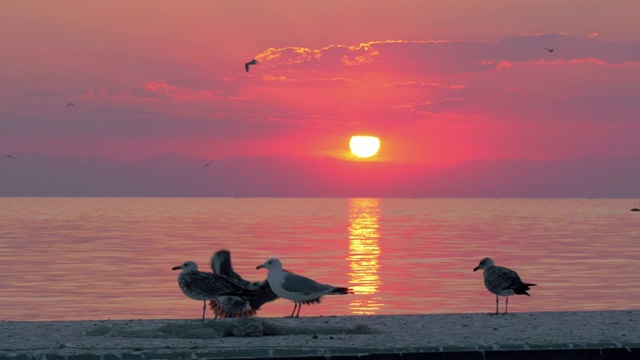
364,146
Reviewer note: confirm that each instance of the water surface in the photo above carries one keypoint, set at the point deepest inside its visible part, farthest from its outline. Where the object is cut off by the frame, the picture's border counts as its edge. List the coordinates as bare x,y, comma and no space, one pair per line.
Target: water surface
111,258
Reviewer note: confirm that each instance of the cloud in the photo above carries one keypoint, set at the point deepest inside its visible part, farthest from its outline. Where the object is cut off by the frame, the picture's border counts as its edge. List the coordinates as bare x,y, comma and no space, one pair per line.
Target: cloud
396,56
447,56
301,82
43,93
423,84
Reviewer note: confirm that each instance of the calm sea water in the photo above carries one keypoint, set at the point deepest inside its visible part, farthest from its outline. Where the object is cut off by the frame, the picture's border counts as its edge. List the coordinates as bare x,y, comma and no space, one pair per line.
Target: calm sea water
111,258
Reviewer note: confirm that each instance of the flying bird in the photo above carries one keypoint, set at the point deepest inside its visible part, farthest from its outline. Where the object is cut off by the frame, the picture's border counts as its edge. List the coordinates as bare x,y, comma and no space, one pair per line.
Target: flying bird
252,62
8,157
238,306
204,286
207,164
502,281
71,104
299,289
549,50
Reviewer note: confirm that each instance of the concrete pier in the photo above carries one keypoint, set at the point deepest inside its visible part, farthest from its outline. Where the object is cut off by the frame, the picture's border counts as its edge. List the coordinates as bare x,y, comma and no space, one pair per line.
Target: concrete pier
551,335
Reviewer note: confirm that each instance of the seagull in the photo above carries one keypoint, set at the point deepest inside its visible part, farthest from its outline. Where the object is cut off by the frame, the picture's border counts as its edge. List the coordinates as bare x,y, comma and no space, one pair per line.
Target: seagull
71,104
299,289
207,164
8,157
502,281
252,62
549,50
238,306
206,286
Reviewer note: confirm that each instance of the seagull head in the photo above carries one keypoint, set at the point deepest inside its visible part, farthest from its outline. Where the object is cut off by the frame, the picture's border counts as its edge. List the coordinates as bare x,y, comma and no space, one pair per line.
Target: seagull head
187,266
271,264
484,263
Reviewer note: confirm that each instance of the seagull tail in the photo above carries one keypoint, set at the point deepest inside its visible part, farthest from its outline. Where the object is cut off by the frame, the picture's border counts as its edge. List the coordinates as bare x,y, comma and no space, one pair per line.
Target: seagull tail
522,289
341,291
226,314
312,301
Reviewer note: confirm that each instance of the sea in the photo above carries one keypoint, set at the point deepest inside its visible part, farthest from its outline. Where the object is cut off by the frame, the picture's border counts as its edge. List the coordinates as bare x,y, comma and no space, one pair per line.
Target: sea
112,258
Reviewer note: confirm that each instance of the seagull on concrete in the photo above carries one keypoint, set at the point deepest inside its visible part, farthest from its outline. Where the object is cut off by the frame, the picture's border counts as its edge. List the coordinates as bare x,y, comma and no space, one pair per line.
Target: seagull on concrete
204,286
252,62
238,306
299,289
502,281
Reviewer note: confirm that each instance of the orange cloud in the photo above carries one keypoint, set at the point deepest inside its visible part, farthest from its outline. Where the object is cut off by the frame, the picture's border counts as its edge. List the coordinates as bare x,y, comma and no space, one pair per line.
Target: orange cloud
422,84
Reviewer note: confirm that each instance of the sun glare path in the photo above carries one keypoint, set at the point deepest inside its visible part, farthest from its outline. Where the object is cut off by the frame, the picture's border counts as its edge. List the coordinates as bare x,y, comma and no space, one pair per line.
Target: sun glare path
363,255
364,146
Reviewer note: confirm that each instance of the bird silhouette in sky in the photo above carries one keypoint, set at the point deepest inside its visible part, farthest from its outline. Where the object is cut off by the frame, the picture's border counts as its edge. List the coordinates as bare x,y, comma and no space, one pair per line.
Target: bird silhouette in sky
71,104
549,50
252,62
8,157
207,164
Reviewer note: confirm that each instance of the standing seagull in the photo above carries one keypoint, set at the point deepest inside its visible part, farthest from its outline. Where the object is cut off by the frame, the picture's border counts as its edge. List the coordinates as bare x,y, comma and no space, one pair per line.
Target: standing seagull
299,289
549,50
206,286
252,62
238,306
502,281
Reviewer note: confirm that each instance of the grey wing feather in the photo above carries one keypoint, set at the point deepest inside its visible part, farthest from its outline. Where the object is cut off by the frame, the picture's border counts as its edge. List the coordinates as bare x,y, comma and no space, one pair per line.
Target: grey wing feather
301,284
499,278
210,284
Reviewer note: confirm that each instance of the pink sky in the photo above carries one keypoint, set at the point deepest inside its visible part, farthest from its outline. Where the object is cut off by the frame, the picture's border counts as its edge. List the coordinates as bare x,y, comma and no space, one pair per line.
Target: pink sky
440,82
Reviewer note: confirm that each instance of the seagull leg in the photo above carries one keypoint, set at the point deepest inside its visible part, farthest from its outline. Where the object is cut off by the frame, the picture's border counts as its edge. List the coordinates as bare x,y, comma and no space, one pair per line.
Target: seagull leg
506,305
497,301
299,307
295,304
204,308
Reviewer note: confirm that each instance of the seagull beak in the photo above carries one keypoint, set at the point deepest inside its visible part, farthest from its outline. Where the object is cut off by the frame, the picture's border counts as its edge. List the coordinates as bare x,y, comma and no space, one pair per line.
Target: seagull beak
476,268
259,266
176,268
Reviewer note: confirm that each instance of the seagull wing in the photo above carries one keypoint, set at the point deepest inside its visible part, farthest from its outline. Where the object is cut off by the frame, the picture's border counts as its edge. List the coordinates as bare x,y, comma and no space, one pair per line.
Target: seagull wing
209,284
266,294
303,285
498,278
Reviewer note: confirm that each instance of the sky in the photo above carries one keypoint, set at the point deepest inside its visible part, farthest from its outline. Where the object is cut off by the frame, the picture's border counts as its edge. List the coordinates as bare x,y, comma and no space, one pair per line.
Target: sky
439,82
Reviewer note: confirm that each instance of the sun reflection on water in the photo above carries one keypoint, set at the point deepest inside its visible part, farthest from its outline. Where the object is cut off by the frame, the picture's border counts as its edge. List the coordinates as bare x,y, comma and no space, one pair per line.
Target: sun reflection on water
364,252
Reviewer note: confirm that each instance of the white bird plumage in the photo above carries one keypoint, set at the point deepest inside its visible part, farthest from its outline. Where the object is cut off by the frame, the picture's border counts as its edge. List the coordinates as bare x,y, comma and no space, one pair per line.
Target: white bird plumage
299,289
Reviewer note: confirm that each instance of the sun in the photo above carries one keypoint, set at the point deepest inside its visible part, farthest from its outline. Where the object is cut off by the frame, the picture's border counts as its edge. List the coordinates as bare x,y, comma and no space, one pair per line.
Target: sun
364,146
